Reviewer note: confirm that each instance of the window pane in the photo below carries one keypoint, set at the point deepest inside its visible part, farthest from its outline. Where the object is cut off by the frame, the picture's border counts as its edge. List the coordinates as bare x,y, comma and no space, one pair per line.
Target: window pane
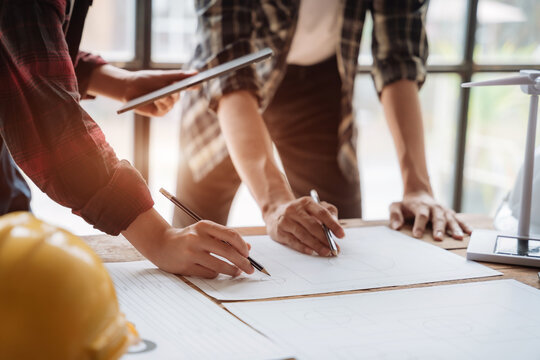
379,169
495,144
508,32
118,130
440,98
446,31
164,151
173,29
109,30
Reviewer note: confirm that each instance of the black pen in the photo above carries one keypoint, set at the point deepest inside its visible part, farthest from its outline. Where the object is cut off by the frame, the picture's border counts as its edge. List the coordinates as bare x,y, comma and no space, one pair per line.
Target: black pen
329,237
196,217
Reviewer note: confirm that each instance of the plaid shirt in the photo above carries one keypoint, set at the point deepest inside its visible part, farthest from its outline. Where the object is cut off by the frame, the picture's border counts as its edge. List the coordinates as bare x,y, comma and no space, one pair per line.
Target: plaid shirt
52,139
228,29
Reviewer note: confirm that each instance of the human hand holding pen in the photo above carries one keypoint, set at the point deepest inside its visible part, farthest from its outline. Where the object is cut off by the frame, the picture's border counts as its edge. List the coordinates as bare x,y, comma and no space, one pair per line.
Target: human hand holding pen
334,248
297,224
188,251
197,218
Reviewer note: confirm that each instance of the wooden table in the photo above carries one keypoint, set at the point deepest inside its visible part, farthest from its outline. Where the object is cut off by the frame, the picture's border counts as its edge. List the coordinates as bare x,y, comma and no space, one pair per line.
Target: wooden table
115,249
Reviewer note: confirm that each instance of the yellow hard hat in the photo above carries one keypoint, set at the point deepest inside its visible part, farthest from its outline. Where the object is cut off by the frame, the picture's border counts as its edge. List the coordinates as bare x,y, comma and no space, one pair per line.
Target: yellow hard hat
57,300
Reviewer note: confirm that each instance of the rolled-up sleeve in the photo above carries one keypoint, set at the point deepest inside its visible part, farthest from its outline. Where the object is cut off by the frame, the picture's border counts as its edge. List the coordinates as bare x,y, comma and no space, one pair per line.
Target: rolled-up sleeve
227,30
84,67
52,139
399,43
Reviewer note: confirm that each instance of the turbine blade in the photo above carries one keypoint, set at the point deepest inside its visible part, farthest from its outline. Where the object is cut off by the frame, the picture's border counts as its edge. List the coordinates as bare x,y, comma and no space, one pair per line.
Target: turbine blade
513,80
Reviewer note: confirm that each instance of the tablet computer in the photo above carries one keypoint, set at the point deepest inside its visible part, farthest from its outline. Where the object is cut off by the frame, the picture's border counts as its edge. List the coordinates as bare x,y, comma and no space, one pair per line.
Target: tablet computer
205,75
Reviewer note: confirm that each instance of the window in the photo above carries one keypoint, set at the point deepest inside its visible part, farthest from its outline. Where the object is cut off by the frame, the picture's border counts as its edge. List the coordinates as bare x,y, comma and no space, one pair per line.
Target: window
474,140
109,30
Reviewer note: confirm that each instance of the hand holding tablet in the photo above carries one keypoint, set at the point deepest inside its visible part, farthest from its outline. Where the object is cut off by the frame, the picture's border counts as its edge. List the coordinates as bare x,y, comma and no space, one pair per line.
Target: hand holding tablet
229,66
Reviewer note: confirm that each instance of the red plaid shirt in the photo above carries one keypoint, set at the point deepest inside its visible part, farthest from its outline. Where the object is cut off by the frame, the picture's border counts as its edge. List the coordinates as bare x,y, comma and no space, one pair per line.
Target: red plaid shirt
52,139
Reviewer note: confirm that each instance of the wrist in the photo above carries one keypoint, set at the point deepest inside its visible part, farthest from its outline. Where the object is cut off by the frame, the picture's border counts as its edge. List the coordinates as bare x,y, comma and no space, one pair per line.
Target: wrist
110,81
147,233
418,189
275,200
416,181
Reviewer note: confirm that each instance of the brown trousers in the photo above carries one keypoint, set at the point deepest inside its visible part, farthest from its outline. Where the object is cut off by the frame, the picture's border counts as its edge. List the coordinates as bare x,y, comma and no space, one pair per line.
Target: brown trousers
303,120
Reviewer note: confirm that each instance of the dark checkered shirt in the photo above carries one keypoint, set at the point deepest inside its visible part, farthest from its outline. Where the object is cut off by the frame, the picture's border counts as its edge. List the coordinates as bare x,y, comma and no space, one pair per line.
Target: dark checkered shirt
229,29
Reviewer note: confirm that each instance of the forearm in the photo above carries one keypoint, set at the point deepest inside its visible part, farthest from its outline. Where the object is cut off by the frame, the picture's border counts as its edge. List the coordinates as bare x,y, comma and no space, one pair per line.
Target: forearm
109,81
146,233
251,151
403,113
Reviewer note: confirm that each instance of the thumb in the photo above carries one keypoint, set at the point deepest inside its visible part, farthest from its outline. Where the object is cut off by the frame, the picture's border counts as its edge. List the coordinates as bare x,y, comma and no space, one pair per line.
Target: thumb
176,75
396,216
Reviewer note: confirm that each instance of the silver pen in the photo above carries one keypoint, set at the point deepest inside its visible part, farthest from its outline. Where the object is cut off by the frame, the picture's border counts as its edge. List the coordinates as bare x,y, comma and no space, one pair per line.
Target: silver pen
327,232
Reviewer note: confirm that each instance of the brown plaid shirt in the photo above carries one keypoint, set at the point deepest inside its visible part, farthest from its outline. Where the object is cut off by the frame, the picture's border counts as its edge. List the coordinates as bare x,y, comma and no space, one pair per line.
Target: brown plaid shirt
229,29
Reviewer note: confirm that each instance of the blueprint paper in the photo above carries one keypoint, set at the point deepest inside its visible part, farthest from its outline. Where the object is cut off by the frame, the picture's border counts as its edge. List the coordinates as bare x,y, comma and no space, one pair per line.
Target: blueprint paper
371,257
180,322
497,319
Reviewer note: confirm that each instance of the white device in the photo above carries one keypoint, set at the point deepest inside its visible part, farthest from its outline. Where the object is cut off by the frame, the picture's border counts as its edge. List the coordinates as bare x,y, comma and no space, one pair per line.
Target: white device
509,248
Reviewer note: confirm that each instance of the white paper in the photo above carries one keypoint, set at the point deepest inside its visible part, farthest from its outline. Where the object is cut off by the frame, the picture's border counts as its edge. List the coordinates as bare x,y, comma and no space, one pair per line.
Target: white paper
481,320
180,321
371,257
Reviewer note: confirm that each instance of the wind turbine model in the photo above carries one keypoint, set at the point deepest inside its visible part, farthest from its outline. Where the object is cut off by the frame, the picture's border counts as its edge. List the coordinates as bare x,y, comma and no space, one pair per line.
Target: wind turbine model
520,248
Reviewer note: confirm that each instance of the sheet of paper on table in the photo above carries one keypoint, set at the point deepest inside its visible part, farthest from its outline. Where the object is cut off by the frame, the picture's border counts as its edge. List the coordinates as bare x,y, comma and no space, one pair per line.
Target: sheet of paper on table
497,319
178,322
371,257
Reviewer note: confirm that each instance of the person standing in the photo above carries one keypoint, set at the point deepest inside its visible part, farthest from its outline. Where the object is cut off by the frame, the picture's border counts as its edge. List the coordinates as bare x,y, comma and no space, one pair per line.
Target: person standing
301,101
58,145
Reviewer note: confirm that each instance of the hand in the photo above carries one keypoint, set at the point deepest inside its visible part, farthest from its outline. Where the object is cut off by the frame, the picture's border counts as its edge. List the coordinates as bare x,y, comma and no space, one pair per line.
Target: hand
189,251
142,82
422,208
297,224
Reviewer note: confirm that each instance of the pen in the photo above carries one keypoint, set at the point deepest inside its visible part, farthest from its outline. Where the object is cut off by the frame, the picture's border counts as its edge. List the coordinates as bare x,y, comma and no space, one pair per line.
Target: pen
329,237
196,217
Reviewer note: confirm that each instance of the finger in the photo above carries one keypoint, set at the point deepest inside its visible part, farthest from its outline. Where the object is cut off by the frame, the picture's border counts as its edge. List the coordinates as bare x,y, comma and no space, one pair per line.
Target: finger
420,221
292,225
311,225
147,110
319,244
326,218
289,240
167,102
161,106
176,75
438,221
333,210
454,227
217,265
464,226
225,250
175,97
224,233
201,271
396,216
